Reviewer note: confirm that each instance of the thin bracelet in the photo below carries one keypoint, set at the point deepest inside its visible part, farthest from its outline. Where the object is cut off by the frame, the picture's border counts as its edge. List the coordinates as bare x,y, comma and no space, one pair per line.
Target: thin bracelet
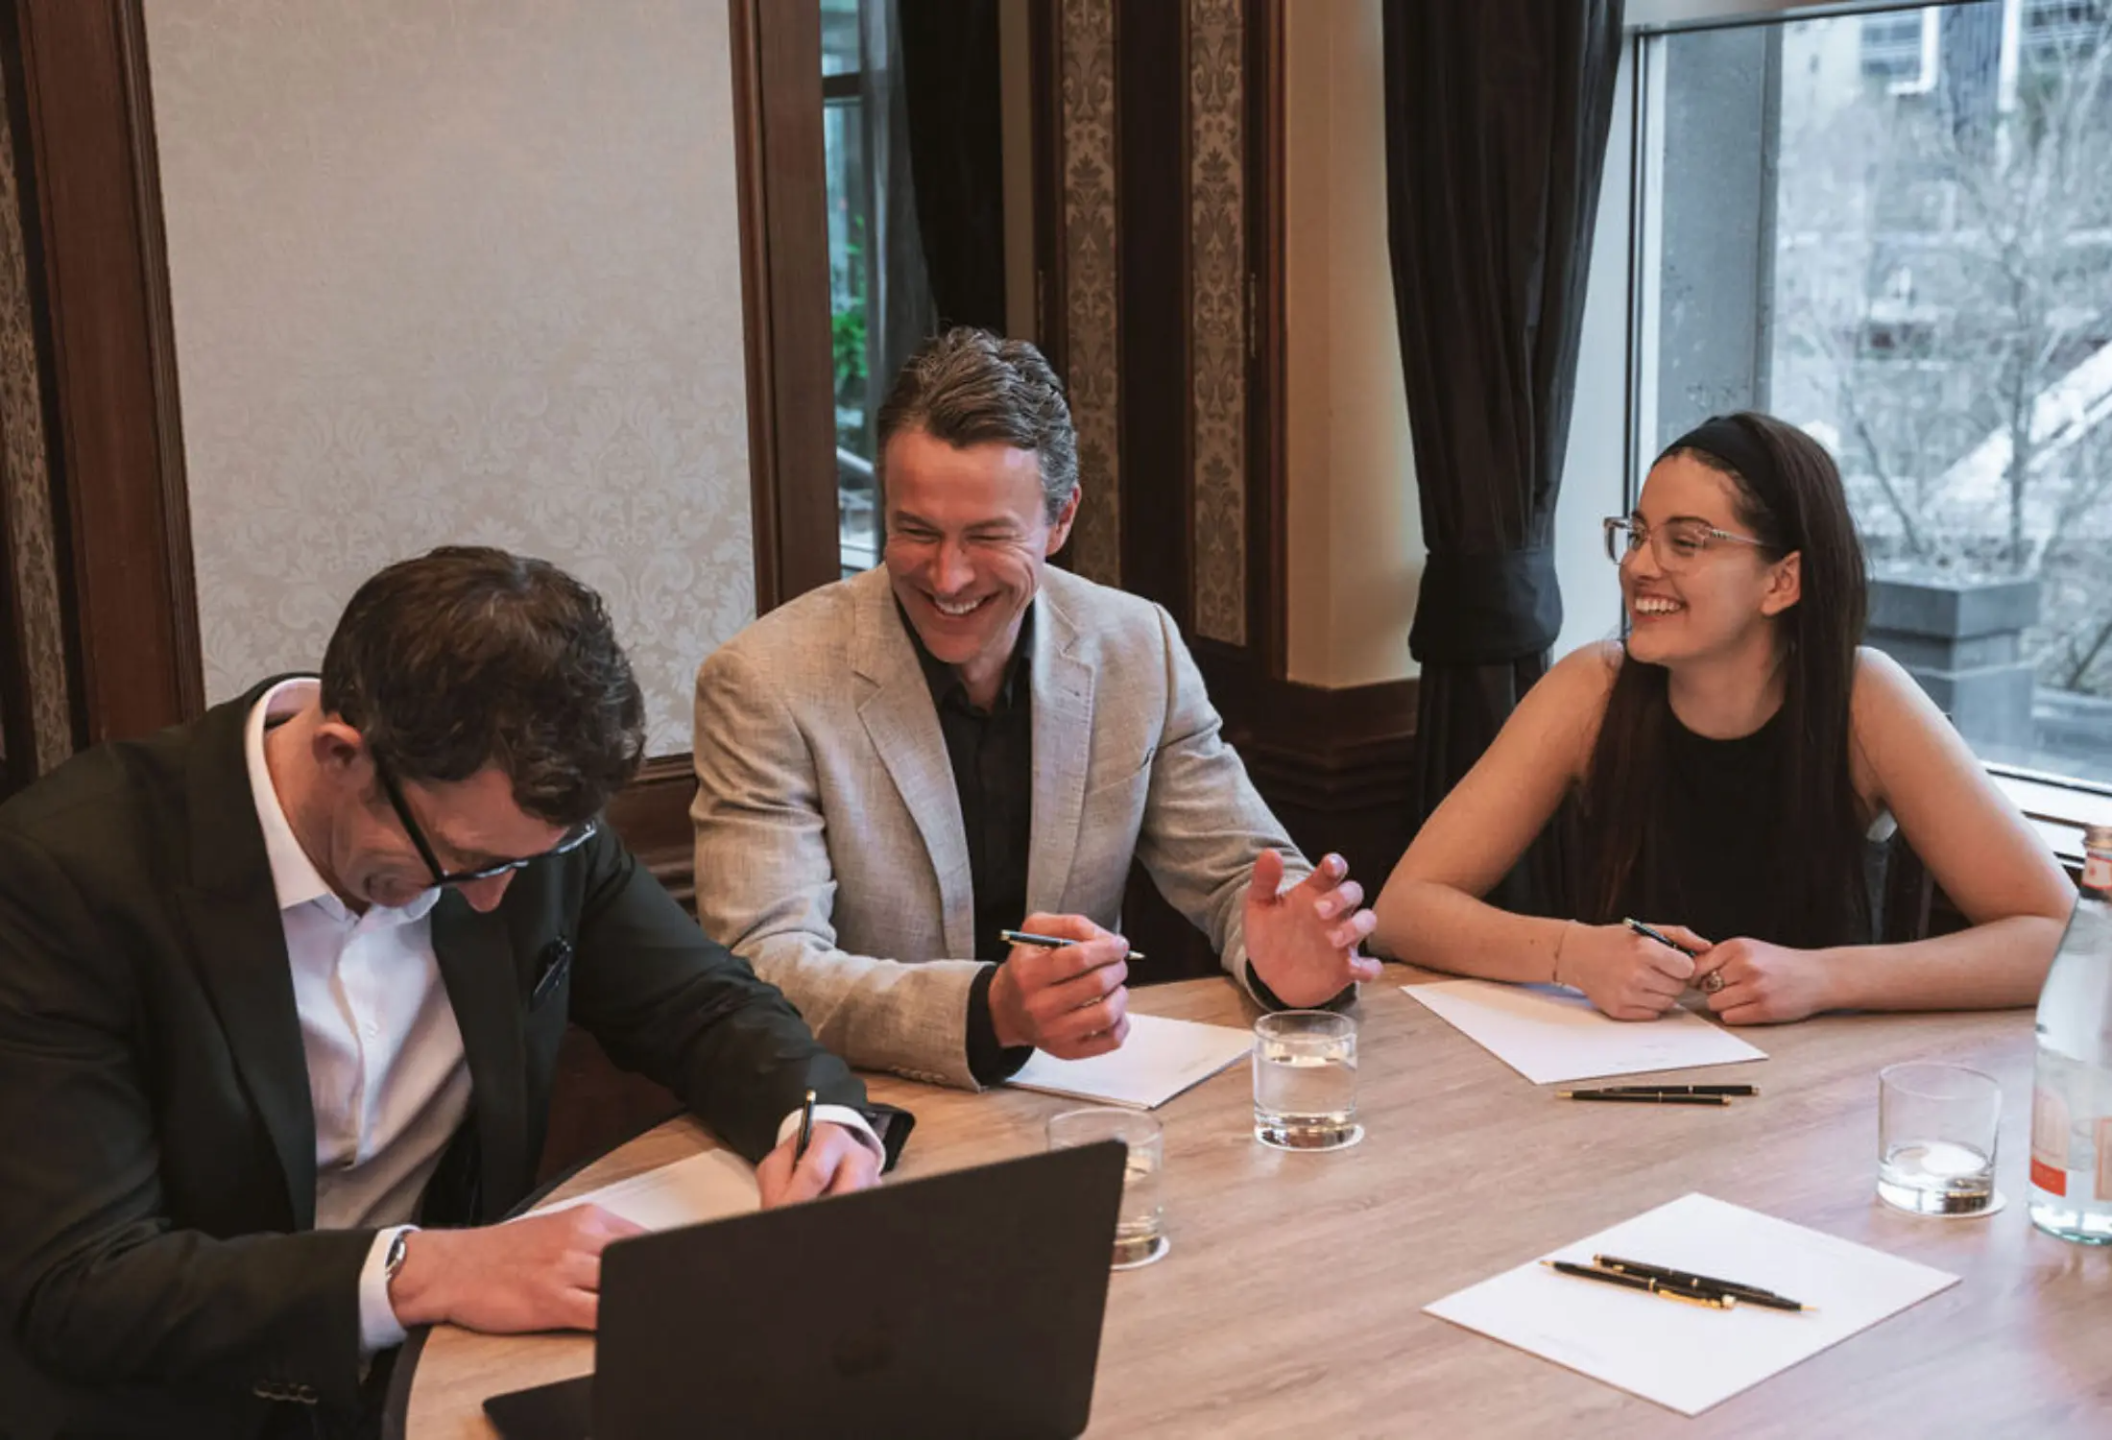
1560,941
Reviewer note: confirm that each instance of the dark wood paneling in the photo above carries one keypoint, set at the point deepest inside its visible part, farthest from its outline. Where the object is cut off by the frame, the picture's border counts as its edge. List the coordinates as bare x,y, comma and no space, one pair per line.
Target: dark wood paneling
1045,69
1268,465
1151,160
782,181
118,461
18,754
594,1105
1335,765
652,816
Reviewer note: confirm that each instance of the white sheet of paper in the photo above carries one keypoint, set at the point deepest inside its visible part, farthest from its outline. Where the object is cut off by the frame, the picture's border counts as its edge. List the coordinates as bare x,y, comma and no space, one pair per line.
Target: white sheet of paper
710,1186
1549,1034
1159,1060
1686,1357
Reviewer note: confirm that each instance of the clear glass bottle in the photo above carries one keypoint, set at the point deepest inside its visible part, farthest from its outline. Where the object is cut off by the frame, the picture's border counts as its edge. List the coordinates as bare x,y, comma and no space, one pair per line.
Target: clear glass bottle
2071,1101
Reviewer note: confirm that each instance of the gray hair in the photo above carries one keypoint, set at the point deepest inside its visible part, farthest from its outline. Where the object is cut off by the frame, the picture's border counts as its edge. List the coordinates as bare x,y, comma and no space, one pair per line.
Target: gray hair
968,386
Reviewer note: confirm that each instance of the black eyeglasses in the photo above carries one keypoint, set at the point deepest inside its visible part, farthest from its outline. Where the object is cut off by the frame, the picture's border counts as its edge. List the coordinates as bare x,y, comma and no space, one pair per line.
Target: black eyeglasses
574,838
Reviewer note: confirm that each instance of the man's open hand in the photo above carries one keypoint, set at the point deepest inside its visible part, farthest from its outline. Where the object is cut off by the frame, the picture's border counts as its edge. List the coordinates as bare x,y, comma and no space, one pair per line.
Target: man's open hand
1303,942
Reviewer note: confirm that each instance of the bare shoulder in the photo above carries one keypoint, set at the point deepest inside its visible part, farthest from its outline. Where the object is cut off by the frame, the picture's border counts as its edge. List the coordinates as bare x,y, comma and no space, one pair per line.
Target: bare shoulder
1588,671
1884,702
1897,735
1575,689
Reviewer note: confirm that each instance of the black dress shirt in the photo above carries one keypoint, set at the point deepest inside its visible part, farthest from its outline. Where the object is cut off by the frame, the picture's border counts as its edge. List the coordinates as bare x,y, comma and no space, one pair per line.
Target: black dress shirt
992,753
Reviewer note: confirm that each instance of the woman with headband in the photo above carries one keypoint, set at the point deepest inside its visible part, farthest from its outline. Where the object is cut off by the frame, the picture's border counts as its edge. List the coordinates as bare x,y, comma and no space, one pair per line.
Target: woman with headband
1726,763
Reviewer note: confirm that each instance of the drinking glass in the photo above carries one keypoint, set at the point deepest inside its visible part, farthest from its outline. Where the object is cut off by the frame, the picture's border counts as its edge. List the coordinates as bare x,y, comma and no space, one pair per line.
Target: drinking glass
1305,1080
1140,1232
1936,1129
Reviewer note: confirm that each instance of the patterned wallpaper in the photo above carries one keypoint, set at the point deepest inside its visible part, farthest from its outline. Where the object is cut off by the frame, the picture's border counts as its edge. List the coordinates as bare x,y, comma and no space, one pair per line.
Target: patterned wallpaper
463,272
1093,369
38,640
1217,314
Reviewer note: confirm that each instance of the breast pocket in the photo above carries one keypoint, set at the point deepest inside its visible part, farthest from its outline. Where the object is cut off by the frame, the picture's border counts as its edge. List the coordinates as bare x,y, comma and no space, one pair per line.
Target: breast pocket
1125,778
552,978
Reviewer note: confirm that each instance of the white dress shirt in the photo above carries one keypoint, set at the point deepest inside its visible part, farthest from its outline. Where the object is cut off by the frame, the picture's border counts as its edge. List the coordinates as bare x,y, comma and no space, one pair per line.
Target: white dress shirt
386,1073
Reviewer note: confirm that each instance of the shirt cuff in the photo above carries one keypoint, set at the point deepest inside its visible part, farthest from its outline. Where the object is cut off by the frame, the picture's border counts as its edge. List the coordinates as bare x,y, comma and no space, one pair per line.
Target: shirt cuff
842,1115
1342,1000
378,1327
989,1062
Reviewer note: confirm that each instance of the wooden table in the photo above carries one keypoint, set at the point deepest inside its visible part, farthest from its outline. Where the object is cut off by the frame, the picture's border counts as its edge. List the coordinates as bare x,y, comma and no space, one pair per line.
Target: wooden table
1292,1301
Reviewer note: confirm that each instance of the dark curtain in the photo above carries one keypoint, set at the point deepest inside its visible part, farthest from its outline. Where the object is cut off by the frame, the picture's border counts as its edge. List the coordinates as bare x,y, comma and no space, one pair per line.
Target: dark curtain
950,71
899,297
1497,117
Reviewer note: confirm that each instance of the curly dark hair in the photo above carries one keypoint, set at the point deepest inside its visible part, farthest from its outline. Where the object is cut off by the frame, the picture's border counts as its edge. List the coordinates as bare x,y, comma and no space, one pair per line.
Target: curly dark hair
469,656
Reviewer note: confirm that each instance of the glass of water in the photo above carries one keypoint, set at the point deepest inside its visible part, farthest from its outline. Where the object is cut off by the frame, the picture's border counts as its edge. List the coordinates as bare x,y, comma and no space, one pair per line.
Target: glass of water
1140,1232
1936,1129
1305,1080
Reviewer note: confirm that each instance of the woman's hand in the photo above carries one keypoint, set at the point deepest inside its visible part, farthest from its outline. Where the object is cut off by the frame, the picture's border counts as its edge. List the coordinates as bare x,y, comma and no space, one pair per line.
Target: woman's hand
1629,976
1763,984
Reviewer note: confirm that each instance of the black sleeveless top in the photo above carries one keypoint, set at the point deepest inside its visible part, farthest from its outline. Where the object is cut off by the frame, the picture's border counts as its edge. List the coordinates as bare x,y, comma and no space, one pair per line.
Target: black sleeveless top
1708,860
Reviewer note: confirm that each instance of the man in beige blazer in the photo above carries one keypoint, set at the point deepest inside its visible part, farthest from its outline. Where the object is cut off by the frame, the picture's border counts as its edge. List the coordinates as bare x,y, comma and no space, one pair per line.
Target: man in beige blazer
893,767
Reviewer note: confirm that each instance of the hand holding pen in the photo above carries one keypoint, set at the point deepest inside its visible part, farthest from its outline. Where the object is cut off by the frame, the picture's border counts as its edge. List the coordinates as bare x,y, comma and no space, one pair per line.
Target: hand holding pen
1627,974
1062,989
816,1158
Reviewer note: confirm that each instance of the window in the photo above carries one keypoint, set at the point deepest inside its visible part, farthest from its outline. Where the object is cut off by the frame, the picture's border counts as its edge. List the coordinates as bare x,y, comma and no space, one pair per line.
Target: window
1913,261
1900,50
847,148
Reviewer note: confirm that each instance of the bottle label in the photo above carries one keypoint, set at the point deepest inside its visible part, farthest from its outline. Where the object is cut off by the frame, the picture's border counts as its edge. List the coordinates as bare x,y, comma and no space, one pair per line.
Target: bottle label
2104,1158
2049,1143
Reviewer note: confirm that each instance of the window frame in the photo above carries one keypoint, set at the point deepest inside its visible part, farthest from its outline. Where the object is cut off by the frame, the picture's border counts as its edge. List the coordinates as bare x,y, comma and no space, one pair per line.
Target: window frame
2057,806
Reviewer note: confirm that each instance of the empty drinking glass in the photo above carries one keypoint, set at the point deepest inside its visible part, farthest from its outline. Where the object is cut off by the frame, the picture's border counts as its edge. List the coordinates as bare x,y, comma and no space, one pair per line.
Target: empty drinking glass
1305,1080
1936,1138
1140,1232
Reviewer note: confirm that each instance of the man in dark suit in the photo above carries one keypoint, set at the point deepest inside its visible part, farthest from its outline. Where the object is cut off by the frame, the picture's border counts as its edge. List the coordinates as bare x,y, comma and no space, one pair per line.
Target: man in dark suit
281,992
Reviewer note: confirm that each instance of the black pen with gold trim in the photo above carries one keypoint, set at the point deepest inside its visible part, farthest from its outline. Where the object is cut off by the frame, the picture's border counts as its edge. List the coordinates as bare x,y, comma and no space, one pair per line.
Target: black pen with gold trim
1713,1300
1643,1097
1687,1279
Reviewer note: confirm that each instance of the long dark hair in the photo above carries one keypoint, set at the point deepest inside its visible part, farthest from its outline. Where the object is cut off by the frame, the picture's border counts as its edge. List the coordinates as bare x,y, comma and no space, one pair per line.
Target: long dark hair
1798,508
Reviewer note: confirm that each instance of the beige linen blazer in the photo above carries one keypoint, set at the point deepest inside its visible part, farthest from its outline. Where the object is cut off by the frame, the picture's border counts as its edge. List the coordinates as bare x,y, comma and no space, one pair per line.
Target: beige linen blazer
830,847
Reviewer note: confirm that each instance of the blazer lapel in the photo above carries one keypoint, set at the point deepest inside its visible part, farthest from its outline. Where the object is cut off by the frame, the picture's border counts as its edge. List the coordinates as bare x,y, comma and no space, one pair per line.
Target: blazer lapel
1063,738
239,946
477,963
903,725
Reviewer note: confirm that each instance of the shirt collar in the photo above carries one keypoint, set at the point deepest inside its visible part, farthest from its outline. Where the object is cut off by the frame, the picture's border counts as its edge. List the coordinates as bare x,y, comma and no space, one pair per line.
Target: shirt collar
294,878
945,680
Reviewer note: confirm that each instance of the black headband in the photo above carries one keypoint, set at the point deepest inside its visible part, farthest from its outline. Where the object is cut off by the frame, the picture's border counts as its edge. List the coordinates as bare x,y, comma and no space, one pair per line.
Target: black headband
1725,439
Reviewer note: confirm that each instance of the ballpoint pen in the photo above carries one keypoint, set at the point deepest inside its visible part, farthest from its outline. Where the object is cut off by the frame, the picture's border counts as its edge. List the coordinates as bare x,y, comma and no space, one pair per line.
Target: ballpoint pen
1642,1097
1686,1279
1743,1091
1714,1300
1049,942
806,1129
1658,935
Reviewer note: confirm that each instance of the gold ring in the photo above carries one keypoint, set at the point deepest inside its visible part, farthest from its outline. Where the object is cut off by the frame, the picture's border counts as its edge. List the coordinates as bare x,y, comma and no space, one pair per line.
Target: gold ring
1712,982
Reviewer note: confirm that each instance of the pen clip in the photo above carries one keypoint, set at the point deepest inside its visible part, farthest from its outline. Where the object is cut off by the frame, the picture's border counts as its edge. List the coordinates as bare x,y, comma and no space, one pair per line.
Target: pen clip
551,968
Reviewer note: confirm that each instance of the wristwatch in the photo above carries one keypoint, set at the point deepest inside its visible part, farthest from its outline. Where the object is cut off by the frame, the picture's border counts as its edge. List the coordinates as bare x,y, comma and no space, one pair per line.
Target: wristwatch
392,1259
